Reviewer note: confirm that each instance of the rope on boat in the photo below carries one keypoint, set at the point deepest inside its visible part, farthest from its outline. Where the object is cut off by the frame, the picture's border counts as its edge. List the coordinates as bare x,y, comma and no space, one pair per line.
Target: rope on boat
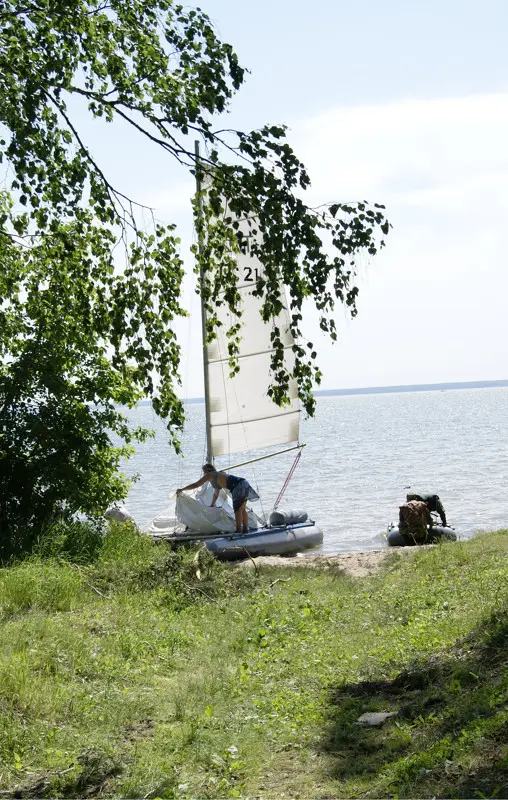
286,482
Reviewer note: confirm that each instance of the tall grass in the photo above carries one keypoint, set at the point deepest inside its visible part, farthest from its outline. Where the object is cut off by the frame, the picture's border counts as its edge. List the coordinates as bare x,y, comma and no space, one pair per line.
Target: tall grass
42,585
77,541
158,673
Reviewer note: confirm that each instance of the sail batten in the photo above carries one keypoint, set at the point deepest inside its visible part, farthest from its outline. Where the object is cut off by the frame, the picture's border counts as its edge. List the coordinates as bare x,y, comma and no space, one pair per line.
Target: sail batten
259,419
244,355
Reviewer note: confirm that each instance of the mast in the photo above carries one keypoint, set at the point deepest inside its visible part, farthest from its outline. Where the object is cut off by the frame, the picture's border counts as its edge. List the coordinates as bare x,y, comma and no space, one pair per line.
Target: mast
209,456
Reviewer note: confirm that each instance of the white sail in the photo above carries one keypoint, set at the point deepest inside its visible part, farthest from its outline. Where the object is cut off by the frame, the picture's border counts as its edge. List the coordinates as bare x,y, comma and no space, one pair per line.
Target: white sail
194,513
241,414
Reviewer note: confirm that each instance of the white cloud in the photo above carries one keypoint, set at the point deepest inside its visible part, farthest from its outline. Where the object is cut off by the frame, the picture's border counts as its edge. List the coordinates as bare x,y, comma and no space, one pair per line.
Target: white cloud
379,147
432,304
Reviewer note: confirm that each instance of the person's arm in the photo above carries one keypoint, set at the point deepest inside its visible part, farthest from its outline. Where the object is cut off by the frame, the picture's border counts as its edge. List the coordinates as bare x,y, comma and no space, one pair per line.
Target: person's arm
440,510
215,497
428,517
201,481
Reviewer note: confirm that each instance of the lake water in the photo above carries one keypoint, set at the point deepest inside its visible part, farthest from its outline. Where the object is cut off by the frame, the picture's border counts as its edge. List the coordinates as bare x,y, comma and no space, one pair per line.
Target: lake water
362,451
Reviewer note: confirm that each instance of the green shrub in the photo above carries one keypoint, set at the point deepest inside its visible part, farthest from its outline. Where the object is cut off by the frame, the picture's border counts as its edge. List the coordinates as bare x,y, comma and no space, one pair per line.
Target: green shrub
132,561
77,541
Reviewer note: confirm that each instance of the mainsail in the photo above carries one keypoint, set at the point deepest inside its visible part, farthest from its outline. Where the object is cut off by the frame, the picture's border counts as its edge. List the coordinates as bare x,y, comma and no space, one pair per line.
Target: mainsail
241,414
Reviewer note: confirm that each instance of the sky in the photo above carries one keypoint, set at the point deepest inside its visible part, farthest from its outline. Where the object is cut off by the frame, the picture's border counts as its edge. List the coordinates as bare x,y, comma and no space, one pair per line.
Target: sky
396,102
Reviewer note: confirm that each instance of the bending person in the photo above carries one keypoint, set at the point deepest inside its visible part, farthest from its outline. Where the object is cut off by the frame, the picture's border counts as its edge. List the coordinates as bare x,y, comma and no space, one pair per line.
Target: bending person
432,502
239,488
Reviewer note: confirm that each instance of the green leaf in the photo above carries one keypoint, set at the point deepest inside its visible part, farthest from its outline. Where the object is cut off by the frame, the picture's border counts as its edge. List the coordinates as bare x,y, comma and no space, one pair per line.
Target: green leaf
88,326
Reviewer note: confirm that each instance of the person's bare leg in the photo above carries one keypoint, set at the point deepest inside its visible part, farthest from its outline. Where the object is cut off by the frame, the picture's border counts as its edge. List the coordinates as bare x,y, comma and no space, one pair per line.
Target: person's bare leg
239,519
245,518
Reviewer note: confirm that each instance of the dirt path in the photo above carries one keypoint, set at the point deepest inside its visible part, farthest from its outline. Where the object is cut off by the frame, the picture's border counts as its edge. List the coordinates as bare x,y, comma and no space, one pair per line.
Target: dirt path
358,565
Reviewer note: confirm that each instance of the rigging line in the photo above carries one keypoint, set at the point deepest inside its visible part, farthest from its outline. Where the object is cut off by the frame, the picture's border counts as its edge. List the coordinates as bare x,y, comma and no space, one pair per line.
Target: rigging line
286,482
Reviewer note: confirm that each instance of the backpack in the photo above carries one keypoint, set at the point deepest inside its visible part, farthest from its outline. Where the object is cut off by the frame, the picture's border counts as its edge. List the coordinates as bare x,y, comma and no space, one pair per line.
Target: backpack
414,517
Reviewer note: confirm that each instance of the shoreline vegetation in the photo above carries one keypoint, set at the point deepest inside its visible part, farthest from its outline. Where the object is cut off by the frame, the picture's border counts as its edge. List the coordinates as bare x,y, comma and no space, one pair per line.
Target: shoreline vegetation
128,669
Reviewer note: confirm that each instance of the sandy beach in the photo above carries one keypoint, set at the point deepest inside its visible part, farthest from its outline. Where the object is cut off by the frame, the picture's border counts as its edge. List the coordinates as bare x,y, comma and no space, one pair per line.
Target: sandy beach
358,565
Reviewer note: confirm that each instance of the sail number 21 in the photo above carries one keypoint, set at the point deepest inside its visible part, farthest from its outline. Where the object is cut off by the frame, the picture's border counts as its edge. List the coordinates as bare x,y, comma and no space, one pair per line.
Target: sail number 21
250,274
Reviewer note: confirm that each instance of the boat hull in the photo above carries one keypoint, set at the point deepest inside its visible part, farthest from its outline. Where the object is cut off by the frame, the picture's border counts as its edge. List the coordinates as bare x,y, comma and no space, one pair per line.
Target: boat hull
266,542
440,533
272,541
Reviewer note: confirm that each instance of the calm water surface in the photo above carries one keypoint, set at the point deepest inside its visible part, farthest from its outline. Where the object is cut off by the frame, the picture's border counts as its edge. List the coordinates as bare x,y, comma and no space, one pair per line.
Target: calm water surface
362,451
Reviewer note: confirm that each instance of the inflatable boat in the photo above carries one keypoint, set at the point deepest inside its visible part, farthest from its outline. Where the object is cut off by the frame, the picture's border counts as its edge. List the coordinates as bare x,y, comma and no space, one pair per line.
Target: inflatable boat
286,533
267,541
438,533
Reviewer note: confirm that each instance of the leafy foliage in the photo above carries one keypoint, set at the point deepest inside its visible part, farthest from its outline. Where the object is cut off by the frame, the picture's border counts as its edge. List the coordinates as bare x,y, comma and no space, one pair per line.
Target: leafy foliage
258,209
77,541
86,325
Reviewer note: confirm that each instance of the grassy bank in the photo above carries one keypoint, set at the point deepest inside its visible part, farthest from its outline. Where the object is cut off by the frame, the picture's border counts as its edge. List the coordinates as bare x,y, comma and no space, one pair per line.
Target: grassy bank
154,674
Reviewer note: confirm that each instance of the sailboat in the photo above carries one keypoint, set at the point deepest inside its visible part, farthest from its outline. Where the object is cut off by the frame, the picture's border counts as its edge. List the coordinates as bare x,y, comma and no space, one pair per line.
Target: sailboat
241,417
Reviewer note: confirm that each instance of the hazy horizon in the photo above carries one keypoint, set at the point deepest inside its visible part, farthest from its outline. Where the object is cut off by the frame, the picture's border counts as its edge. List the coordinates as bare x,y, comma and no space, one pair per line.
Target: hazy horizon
414,387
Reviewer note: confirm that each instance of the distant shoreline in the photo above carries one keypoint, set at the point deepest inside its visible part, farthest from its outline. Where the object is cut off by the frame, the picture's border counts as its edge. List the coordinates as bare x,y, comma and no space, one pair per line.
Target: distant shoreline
417,387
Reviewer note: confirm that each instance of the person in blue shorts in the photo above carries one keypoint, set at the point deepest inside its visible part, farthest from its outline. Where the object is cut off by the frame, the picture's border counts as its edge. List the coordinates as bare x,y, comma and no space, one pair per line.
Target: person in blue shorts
239,488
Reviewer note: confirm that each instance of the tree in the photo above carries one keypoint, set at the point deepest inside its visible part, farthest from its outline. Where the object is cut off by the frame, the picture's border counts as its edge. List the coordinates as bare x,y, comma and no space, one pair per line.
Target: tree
80,334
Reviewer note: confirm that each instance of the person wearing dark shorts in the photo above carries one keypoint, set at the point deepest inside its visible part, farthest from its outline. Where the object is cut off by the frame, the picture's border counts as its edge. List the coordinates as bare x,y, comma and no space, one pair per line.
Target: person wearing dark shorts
239,488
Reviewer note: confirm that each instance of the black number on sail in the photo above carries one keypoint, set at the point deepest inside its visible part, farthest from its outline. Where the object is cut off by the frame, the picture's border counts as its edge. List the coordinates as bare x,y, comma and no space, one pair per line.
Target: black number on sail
248,274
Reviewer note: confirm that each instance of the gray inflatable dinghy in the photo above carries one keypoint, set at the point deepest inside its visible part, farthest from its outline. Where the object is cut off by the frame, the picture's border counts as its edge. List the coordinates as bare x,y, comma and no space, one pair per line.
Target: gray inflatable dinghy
437,533
275,540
